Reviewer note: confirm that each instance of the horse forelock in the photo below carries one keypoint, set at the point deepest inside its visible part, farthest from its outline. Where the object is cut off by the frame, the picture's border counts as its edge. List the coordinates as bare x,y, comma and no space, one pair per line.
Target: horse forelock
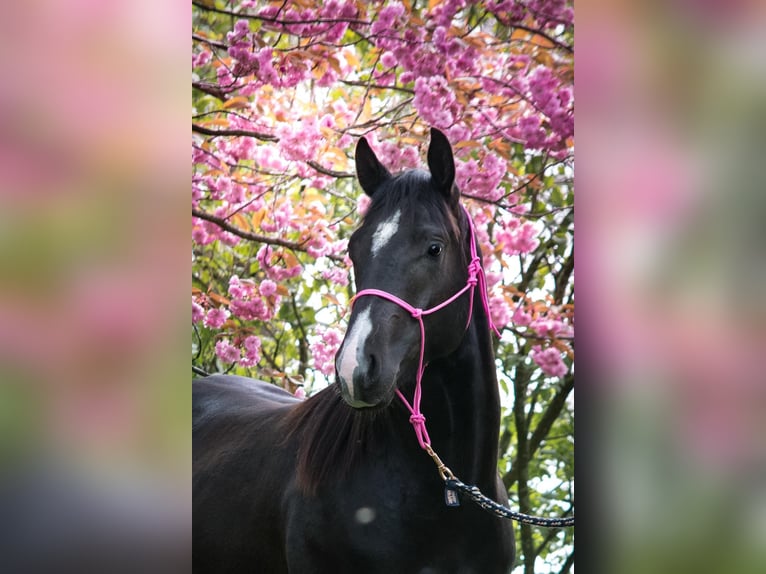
411,194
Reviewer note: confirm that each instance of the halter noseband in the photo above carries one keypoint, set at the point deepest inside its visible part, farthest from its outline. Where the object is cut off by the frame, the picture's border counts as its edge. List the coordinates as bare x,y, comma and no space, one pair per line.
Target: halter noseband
475,277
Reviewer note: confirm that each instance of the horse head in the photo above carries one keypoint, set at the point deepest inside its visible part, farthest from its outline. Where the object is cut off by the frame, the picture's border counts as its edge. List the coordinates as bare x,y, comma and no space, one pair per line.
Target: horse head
412,245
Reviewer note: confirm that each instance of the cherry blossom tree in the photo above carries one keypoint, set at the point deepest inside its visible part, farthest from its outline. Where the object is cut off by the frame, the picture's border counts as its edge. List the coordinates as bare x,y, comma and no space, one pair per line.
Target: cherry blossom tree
281,93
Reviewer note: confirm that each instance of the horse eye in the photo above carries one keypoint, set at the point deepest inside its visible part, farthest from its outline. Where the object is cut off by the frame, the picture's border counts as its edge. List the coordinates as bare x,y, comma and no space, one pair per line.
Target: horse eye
434,249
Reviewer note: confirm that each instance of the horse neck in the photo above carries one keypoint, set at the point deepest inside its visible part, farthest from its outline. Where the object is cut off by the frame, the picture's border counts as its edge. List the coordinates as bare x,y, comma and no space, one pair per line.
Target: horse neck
462,404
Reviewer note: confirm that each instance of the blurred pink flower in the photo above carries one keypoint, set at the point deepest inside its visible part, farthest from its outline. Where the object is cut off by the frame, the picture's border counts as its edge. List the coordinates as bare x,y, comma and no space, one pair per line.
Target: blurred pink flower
386,19
226,351
252,346
549,360
197,312
216,317
324,349
267,288
521,317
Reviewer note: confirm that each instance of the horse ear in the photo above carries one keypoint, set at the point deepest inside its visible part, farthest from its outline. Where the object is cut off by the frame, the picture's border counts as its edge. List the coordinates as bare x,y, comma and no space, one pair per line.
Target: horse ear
369,170
442,166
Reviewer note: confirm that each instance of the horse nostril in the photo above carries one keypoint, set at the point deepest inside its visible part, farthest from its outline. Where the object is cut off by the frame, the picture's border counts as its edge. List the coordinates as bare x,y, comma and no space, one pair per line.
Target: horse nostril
372,366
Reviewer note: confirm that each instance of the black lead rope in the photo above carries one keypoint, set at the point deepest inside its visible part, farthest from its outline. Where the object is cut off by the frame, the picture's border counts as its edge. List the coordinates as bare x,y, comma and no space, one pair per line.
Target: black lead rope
453,486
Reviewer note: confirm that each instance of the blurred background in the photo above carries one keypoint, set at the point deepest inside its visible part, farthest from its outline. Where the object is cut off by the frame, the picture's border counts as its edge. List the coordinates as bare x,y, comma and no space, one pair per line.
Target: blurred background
672,276
94,403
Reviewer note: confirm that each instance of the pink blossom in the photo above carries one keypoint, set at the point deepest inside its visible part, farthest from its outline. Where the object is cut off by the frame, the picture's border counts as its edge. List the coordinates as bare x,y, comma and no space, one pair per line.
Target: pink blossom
317,246
518,237
201,59
501,314
300,393
521,317
200,237
336,275
529,128
291,272
228,238
466,64
224,76
216,317
267,288
410,157
387,18
435,101
444,12
542,86
197,311
252,346
242,28
363,204
236,289
197,192
388,60
327,121
252,343
551,12
266,72
482,180
250,310
549,360
551,328
283,215
267,157
447,45
324,348
300,141
227,352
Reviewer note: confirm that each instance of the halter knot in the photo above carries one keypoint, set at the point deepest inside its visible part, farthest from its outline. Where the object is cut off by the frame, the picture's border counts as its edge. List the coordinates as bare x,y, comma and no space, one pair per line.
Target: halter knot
416,313
474,268
417,419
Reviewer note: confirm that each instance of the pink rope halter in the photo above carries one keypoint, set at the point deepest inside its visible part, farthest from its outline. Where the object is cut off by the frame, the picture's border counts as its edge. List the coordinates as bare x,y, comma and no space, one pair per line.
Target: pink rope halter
475,277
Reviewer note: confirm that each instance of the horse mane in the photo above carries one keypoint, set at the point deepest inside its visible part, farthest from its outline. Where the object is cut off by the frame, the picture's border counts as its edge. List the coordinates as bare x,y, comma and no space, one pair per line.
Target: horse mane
331,436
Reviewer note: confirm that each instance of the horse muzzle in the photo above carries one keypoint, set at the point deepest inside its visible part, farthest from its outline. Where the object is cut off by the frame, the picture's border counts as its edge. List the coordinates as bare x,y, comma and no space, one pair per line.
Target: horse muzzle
367,364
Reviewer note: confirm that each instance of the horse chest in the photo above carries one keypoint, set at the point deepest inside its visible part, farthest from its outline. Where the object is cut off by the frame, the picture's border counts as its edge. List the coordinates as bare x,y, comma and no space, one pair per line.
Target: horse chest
389,524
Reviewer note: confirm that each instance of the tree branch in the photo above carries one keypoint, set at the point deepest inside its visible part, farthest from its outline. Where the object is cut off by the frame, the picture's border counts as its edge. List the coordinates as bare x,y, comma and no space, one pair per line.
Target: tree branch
551,39
303,349
568,563
280,21
268,138
225,225
212,90
377,86
236,132
214,43
523,456
330,172
201,372
529,273
561,280
542,429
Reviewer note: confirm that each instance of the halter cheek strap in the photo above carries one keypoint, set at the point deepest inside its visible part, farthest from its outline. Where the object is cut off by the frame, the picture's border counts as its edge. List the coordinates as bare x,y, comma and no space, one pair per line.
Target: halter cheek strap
475,277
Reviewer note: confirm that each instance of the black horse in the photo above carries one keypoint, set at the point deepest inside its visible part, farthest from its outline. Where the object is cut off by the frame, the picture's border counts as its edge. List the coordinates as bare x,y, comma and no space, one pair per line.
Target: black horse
338,483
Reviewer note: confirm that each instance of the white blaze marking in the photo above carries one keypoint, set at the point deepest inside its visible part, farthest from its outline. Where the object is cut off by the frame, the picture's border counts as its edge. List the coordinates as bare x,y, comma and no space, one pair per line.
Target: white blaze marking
352,347
385,232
